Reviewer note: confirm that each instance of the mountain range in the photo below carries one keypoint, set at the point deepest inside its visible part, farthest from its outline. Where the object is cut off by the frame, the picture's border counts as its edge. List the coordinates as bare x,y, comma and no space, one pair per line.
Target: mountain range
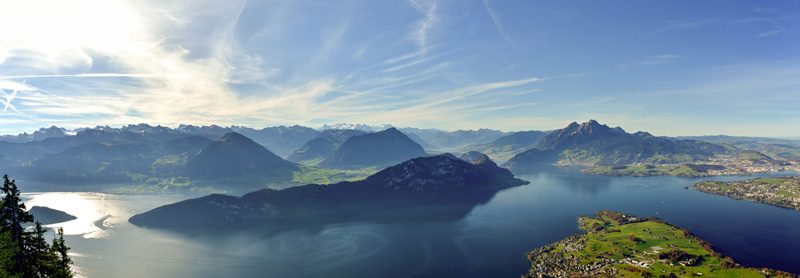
594,144
41,134
139,153
435,186
202,153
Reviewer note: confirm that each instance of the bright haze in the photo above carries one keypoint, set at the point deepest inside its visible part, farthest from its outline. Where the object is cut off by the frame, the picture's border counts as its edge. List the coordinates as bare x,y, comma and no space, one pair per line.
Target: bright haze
668,67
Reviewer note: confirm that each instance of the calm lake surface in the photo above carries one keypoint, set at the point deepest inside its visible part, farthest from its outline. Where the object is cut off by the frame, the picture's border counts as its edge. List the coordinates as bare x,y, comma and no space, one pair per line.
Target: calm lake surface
491,241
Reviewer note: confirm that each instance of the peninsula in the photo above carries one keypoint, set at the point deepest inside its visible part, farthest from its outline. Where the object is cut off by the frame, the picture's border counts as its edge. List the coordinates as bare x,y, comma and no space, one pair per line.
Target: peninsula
621,245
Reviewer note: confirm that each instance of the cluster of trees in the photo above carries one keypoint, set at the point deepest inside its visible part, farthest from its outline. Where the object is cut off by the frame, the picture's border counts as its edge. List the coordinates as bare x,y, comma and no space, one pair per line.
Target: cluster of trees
24,252
676,255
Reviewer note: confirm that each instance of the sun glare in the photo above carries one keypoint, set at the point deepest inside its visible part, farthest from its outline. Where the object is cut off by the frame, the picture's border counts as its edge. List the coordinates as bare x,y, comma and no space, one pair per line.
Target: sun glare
64,32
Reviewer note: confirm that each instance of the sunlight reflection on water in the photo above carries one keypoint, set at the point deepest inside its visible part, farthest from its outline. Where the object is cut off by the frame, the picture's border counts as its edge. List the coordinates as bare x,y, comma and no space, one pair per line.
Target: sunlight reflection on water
90,209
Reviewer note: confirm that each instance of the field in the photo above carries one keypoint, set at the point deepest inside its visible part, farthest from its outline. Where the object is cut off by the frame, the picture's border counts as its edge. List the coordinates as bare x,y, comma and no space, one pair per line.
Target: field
642,170
308,175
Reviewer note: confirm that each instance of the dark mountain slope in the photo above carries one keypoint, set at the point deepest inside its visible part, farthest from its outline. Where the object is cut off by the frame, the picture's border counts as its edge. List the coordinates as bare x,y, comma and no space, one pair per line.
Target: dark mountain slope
120,161
436,186
93,163
234,156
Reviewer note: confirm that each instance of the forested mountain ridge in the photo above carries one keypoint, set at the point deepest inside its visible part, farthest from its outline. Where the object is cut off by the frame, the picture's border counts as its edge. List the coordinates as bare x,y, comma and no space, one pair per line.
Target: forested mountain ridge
450,185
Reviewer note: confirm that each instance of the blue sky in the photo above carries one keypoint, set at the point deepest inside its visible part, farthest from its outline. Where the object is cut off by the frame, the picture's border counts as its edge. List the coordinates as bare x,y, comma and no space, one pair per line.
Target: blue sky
668,67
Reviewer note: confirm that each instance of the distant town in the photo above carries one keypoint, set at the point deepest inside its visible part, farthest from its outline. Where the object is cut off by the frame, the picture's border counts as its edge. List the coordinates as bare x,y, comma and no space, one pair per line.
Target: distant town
780,191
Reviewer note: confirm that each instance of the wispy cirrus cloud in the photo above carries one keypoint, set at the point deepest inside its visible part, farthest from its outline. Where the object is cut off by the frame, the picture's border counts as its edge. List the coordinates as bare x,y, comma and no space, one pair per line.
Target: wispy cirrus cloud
769,33
88,75
772,23
660,59
427,8
170,82
439,107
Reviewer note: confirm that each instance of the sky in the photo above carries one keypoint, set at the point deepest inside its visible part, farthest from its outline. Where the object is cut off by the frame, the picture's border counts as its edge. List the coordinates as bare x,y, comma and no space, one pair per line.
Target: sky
680,67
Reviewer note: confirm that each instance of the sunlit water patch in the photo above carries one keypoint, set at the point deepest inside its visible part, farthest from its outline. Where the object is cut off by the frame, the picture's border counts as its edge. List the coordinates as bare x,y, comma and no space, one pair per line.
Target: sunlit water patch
93,216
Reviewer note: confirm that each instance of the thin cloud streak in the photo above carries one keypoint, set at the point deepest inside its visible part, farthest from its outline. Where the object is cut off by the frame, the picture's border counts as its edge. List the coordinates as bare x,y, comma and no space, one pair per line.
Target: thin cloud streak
80,75
497,25
428,10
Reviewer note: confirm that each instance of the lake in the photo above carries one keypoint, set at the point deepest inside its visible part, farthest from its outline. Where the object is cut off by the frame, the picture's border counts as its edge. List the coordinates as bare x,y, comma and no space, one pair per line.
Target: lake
490,241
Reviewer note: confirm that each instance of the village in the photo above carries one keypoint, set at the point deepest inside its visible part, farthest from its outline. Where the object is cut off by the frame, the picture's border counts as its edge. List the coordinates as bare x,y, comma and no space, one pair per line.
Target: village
779,191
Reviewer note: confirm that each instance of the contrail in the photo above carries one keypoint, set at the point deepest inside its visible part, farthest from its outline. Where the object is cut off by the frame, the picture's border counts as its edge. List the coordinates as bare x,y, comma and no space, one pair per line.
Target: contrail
82,75
8,98
497,25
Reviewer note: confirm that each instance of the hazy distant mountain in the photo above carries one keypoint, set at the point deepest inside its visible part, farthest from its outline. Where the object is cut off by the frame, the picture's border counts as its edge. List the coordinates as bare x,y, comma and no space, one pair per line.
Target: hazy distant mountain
235,155
593,144
756,157
41,134
116,161
324,145
531,159
437,186
97,156
441,140
93,163
362,127
212,131
374,149
419,141
281,140
746,142
146,129
505,147
23,153
5,162
775,147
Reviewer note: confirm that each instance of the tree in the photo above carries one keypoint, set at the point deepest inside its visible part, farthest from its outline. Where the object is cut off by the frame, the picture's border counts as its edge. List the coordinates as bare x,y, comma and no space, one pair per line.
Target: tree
25,254
40,258
63,266
13,213
12,216
8,251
